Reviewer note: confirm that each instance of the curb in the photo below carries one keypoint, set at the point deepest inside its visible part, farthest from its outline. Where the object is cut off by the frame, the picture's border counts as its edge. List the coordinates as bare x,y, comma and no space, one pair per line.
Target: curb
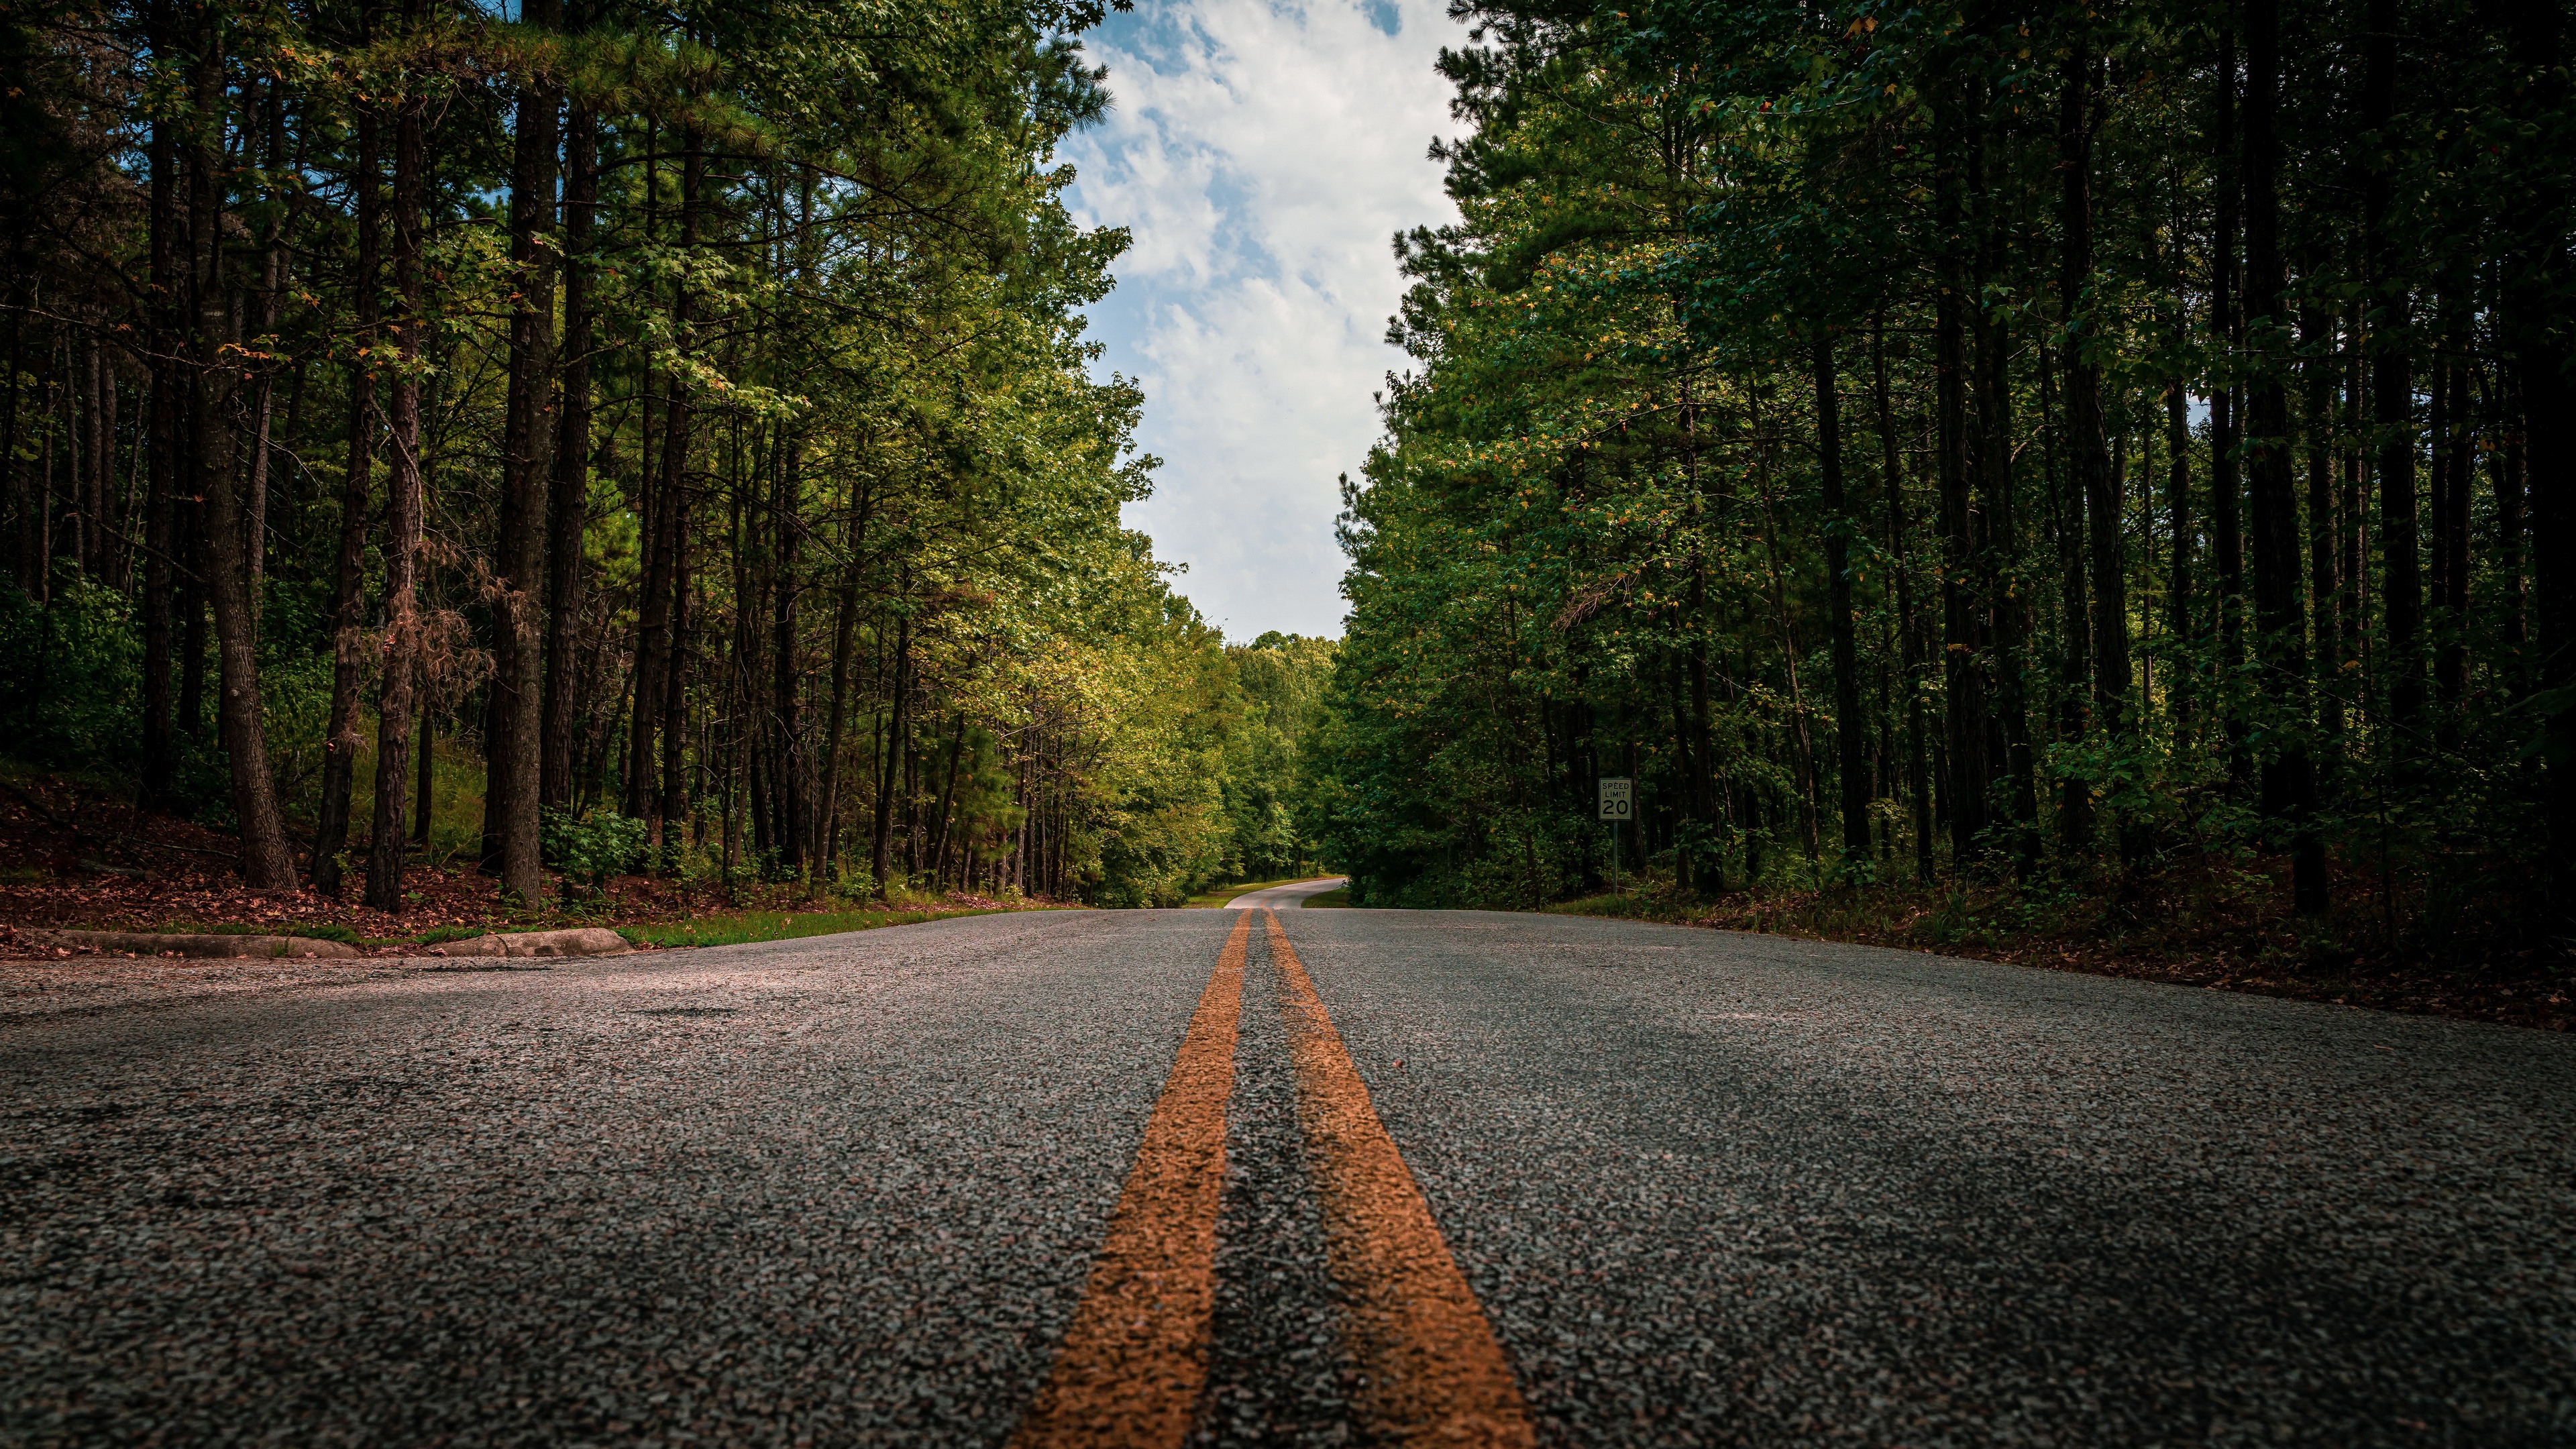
146,943
578,941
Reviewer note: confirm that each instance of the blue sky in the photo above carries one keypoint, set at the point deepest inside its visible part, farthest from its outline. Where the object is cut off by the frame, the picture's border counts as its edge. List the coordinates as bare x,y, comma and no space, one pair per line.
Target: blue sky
1263,152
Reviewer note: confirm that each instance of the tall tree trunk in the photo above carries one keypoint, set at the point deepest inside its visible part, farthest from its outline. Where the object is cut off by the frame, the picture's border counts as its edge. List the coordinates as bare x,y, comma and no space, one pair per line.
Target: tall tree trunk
2226,504
2316,334
673,805
2452,475
348,596
1909,632
2536,323
2075,629
2007,606
1851,736
267,861
159,744
527,470
653,622
403,505
2086,461
785,690
2289,776
2098,483
881,855
98,454
947,803
571,512
1963,683
2393,398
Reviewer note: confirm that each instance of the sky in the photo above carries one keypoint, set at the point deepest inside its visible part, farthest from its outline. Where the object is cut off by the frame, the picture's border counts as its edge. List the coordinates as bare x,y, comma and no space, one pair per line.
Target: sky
1263,153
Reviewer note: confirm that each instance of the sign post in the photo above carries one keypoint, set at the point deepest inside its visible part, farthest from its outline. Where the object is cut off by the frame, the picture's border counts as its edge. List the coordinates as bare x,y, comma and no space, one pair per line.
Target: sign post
1618,803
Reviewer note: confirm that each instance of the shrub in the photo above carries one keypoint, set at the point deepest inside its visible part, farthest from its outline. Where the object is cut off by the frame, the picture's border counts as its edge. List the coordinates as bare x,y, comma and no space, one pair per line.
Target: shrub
590,848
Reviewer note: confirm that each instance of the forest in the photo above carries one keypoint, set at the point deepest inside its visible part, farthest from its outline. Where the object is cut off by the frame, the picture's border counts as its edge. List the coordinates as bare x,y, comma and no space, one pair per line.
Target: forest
1980,452
581,436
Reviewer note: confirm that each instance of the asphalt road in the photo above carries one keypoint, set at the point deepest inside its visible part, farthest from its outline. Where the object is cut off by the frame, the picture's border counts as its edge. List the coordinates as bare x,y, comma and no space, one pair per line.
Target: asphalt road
1696,1188
1287,897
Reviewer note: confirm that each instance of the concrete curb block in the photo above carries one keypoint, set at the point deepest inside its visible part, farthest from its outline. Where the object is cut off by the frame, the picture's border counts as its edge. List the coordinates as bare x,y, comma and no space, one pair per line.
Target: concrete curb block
580,941
146,943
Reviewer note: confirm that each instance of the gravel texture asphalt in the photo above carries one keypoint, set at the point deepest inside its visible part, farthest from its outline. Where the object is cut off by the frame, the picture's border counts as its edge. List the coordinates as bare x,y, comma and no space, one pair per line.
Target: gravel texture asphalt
1709,1189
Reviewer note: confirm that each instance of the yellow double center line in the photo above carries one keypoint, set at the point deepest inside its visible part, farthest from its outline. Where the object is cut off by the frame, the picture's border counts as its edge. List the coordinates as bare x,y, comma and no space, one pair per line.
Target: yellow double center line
1136,1357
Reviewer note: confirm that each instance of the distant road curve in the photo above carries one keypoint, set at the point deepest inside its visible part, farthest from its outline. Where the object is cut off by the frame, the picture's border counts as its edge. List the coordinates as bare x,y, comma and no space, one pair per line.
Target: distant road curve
1287,897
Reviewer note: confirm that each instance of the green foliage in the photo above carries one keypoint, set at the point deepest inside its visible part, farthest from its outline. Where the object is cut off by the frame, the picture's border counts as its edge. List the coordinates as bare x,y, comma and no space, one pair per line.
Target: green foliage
74,670
591,847
1740,456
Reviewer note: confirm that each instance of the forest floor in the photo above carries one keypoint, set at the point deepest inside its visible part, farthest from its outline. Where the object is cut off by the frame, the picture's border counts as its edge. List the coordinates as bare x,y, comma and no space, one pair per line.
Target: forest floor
2190,925
75,854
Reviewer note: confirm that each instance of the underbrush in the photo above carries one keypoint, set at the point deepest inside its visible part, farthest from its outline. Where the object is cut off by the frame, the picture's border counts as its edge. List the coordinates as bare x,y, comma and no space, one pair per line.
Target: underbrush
2444,947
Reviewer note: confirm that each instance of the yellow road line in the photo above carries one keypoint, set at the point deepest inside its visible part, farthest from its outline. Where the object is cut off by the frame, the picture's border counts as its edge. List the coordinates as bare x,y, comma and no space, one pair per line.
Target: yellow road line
1136,1357
1435,1374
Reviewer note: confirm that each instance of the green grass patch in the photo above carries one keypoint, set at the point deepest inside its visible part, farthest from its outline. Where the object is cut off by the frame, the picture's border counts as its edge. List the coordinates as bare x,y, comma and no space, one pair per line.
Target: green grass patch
1216,896
748,926
1339,900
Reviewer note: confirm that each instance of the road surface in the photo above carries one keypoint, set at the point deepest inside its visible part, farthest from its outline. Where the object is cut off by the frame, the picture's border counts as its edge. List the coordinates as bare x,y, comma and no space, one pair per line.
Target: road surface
1313,1178
1287,897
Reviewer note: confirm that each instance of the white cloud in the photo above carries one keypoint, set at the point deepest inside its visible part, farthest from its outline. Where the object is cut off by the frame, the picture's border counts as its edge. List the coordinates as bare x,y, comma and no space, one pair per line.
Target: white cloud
1263,152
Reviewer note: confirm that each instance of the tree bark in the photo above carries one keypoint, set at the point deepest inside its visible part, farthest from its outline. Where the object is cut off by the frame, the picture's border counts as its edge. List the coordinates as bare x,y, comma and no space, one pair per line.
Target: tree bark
512,755
159,743
881,854
2226,516
403,505
267,862
2393,400
785,691
1908,630
1850,734
348,596
2289,775
1963,685
571,513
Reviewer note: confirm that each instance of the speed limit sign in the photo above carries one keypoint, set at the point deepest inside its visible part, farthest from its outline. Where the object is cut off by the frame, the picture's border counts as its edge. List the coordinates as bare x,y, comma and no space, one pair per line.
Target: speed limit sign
1618,799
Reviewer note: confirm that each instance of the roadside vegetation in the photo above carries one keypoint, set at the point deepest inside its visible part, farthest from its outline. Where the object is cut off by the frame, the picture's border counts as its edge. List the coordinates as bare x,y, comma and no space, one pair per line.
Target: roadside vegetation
467,460
2064,483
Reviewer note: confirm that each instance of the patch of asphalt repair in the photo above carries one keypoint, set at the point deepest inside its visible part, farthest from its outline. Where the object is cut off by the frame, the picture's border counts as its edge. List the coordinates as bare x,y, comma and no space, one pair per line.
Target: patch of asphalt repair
552,1209
1724,1189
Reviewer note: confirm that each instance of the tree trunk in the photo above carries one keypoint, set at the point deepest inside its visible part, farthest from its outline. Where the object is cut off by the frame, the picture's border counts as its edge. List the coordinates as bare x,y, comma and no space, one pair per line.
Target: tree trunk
571,512
2536,321
1963,686
512,754
2289,776
2226,516
653,622
1850,734
159,743
881,856
2393,399
784,680
403,505
2316,334
267,862
673,803
1909,634
348,597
